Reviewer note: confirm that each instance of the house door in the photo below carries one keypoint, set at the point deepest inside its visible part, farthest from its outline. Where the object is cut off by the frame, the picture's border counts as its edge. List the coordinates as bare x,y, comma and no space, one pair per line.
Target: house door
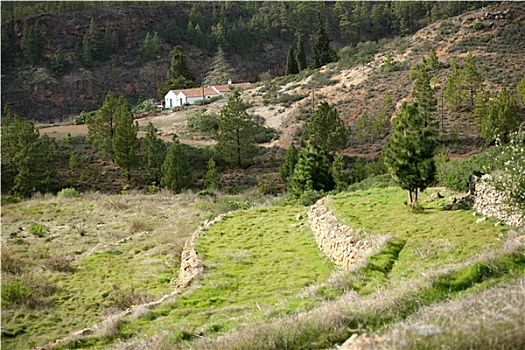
171,103
181,102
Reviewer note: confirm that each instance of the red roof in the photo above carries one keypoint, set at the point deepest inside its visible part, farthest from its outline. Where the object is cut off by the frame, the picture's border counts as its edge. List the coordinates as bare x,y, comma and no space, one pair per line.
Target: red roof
196,92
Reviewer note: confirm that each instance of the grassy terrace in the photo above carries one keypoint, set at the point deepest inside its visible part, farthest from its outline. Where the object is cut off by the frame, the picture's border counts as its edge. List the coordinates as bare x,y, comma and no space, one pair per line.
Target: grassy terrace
435,238
256,263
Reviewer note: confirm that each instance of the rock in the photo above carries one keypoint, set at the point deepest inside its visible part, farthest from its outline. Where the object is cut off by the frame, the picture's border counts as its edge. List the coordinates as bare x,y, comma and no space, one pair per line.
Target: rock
480,220
299,216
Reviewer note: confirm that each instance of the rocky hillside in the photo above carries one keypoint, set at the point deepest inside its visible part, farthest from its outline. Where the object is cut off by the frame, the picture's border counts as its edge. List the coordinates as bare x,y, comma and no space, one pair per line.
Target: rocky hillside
495,36
36,92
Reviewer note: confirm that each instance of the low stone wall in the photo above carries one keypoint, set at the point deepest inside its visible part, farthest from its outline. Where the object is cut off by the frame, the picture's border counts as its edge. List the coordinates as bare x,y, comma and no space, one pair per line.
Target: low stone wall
489,202
339,242
191,266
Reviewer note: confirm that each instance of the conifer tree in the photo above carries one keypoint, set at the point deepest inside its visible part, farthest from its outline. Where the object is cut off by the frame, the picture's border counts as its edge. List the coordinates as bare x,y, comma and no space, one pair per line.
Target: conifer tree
150,46
432,62
31,43
220,70
101,128
291,63
235,133
176,170
423,95
471,81
501,119
389,65
287,168
339,176
302,64
154,154
58,63
26,157
409,154
212,179
110,43
124,141
179,75
326,130
312,171
453,92
321,52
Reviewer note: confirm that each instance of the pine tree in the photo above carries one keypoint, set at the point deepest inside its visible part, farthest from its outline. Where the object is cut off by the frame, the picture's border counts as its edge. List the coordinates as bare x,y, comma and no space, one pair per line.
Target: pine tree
389,65
101,128
235,134
179,75
453,91
287,168
312,172
409,154
212,179
58,63
321,52
302,64
176,170
124,141
26,157
326,130
87,51
31,43
150,46
432,62
471,81
110,42
423,95
220,70
291,63
501,119
338,174
154,154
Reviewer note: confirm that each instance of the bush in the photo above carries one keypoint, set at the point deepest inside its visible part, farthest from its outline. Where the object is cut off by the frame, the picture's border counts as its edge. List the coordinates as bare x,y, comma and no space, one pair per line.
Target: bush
68,193
83,117
208,100
203,122
145,106
38,230
15,292
309,197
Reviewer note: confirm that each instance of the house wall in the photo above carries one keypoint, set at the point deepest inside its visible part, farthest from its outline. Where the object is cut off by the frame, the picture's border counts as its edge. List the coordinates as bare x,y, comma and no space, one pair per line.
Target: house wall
170,100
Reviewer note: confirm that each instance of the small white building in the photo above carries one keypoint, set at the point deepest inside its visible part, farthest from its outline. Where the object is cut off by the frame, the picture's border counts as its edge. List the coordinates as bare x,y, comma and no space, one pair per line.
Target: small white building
176,98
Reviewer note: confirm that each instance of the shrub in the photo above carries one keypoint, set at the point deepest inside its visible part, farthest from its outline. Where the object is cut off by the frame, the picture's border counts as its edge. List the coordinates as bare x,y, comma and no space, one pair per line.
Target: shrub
38,230
15,292
145,106
309,197
9,263
83,117
123,299
58,263
511,180
203,122
68,193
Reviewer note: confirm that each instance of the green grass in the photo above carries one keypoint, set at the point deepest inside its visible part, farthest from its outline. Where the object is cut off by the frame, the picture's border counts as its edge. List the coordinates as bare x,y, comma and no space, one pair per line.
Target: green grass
434,237
256,262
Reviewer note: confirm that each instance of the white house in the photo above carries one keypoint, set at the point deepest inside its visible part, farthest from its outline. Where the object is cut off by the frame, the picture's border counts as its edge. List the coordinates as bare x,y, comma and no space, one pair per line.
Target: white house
176,98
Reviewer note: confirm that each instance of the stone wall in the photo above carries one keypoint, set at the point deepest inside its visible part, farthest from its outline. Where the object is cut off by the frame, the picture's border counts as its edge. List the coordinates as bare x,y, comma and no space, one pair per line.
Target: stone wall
489,202
339,242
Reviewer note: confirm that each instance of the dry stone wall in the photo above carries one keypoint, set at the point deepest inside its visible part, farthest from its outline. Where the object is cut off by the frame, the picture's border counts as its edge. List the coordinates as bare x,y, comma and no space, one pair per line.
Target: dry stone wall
489,202
339,242
191,266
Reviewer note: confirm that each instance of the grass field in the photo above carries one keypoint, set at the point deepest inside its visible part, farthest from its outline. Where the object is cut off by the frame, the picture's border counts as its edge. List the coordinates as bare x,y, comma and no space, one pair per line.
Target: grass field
265,285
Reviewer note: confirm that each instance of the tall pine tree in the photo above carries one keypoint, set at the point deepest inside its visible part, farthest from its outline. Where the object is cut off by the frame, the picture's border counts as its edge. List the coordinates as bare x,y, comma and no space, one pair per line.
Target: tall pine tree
101,128
326,130
220,70
124,142
409,154
154,154
423,95
176,170
235,133
291,63
321,52
290,160
312,171
302,64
